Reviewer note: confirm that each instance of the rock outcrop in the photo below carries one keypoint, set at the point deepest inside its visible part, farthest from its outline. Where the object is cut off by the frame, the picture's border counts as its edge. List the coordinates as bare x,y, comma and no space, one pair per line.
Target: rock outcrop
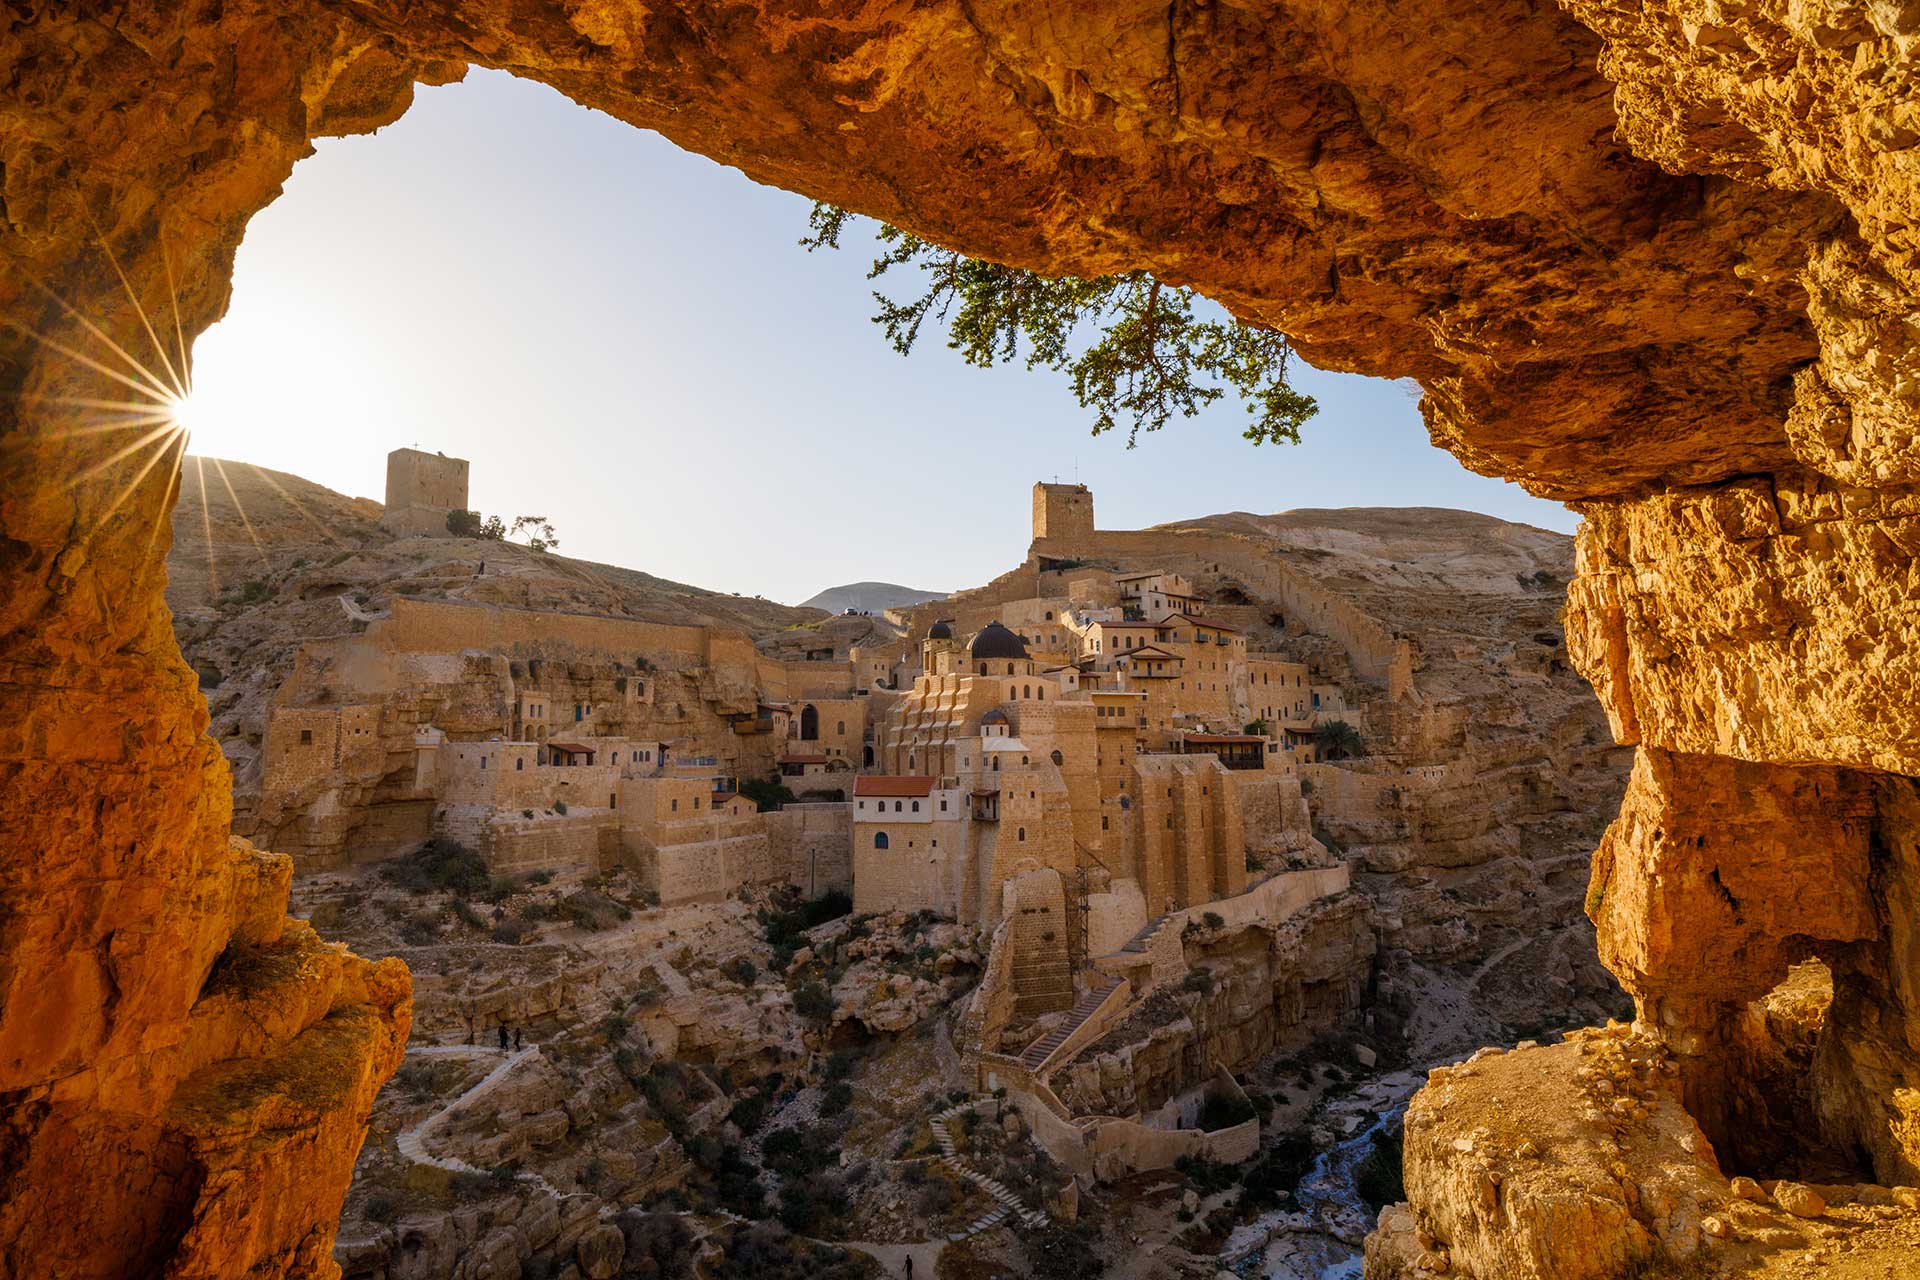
1658,260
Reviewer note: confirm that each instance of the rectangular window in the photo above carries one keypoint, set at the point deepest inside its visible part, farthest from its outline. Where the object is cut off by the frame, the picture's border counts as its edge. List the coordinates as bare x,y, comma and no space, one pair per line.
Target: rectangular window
676,806
306,737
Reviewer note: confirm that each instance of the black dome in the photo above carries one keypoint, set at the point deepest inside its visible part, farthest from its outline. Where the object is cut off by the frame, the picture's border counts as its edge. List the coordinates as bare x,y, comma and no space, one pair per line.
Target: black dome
995,641
941,630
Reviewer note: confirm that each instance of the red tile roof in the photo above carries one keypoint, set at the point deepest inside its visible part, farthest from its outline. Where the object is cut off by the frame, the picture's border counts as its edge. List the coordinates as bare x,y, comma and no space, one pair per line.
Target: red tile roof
1222,739
902,785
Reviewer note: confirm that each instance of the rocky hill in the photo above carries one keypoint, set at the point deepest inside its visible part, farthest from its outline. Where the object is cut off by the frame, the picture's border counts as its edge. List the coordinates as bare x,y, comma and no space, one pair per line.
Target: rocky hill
870,597
263,561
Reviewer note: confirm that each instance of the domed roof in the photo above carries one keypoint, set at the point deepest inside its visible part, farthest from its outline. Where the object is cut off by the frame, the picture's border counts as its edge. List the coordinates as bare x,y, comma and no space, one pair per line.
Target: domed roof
941,630
995,641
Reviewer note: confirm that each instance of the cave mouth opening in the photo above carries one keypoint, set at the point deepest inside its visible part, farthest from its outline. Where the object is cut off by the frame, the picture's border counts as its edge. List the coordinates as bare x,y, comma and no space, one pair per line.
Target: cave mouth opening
1761,1095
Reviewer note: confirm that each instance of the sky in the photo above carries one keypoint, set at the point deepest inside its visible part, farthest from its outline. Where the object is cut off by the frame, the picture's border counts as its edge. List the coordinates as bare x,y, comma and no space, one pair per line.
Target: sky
627,338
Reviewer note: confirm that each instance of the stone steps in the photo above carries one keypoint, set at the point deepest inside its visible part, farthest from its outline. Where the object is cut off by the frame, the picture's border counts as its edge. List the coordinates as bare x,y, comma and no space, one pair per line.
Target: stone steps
1042,1049
1005,1203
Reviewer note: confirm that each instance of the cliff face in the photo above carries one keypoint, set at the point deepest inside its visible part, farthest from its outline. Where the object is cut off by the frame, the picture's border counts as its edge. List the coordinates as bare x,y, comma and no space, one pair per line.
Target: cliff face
1655,259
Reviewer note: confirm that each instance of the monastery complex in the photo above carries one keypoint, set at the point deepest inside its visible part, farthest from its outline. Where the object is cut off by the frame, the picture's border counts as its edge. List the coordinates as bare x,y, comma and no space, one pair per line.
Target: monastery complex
1082,761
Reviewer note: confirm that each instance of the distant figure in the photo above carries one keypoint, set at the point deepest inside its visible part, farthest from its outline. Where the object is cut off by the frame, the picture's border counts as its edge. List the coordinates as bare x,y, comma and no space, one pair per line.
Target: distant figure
483,570
909,1265
503,1037
516,1039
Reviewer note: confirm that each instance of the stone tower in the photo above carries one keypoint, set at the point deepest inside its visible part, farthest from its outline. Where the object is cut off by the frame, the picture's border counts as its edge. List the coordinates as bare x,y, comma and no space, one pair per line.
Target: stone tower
421,489
1062,512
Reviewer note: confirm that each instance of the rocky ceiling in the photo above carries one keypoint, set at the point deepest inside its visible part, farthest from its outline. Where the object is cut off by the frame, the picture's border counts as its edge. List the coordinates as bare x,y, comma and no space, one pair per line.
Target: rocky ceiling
1655,259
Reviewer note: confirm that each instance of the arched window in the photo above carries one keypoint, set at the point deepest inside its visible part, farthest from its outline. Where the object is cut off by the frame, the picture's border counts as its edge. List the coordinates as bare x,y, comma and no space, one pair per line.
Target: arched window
1026,691
809,724
1023,833
996,764
1058,758
840,727
1049,615
1043,693
879,839
983,668
916,806
896,806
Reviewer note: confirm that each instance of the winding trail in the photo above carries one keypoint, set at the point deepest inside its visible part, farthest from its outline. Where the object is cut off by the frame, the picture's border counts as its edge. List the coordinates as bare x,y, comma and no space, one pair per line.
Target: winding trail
412,1143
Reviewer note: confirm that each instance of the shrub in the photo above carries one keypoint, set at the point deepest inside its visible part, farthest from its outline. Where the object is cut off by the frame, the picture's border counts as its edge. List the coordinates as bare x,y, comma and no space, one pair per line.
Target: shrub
812,1000
560,807
658,1244
466,915
420,929
513,931
768,793
381,1208
741,970
1214,920
590,910
839,1097
440,866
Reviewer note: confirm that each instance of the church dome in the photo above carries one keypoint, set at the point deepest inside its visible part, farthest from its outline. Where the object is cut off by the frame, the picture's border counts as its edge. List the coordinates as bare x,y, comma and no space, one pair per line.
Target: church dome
995,641
941,630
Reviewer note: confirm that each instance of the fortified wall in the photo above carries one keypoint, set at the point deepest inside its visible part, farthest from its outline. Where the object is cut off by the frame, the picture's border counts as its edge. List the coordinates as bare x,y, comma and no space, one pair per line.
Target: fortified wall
1064,531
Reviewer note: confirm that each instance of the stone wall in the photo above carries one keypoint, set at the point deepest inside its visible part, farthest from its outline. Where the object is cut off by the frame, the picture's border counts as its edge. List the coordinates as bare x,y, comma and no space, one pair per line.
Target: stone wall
579,840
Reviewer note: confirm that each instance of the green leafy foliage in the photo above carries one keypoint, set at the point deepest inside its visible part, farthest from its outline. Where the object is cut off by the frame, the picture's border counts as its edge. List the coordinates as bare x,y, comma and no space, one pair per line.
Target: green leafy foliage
768,793
1131,344
1338,740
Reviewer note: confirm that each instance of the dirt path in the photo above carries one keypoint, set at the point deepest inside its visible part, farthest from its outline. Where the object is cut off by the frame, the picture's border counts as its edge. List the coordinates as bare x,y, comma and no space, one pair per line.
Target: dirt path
893,1257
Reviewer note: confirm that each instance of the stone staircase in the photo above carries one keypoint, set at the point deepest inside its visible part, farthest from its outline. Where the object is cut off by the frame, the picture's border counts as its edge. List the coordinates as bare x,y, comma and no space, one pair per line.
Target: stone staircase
1137,944
1043,1048
1005,1204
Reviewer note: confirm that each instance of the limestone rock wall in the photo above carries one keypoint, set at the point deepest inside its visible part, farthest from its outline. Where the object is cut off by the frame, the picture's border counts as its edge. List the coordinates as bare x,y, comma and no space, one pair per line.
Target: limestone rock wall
1655,259
1253,991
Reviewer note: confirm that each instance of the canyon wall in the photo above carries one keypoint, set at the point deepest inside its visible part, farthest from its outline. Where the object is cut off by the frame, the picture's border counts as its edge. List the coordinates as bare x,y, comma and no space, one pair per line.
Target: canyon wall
1657,260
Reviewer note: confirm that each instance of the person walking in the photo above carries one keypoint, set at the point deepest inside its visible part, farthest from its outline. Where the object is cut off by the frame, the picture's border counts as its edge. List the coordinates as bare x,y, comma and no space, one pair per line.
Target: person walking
503,1037
909,1267
516,1039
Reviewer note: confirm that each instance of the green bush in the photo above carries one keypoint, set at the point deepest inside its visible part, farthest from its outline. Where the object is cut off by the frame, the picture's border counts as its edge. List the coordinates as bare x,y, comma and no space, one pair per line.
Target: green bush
768,793
839,1097
812,1001
440,866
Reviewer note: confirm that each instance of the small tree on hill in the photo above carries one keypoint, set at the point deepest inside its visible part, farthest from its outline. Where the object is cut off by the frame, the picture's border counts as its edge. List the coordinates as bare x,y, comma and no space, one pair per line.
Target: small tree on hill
539,531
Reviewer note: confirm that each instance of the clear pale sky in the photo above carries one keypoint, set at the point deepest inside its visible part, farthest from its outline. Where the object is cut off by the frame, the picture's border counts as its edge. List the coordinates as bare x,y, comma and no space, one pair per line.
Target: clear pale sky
627,339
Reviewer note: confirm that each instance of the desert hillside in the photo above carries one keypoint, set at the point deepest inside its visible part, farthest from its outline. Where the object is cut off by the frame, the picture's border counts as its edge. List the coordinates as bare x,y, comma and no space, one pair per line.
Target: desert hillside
263,561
